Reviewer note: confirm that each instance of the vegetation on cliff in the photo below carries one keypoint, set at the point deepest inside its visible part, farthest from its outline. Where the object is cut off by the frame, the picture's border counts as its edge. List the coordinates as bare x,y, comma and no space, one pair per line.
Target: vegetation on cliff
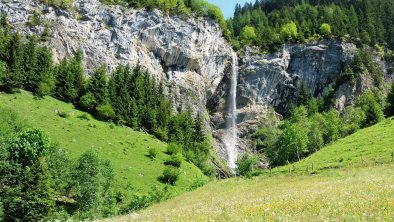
279,21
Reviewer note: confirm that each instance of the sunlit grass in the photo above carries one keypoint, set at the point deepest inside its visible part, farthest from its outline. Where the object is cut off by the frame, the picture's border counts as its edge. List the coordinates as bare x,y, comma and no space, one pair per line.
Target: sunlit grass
351,180
355,194
125,148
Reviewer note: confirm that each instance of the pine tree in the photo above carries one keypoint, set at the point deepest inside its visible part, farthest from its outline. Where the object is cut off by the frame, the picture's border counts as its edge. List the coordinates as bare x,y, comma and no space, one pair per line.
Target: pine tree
390,102
65,89
97,85
199,134
30,60
14,77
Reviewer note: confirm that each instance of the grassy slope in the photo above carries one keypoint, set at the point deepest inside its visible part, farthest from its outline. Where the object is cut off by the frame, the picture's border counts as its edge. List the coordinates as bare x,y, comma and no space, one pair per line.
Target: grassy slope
358,191
126,148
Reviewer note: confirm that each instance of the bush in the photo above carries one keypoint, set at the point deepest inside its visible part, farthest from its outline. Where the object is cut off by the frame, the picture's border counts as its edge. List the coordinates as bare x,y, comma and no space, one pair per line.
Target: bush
197,182
105,112
247,166
88,102
174,160
325,30
152,153
63,114
139,202
170,175
28,146
174,148
84,116
289,31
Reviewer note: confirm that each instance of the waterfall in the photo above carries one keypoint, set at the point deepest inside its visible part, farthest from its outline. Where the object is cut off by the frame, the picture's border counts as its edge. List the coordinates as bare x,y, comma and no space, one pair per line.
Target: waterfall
230,139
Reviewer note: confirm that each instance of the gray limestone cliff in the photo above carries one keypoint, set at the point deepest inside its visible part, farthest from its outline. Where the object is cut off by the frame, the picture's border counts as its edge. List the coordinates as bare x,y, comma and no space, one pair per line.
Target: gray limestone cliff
272,80
188,54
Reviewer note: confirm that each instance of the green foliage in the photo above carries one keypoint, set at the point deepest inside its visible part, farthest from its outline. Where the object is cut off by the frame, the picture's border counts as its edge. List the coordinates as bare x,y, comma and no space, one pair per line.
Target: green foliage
174,160
10,125
28,146
298,20
3,72
108,140
248,35
87,178
105,112
247,166
289,31
69,79
373,112
59,3
63,114
170,175
180,7
88,102
174,148
142,201
152,153
325,30
31,198
291,145
390,102
97,87
353,119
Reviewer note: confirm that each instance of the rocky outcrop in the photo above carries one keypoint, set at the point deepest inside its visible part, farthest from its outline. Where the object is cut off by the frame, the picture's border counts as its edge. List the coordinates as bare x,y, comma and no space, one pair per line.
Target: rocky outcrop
272,80
188,54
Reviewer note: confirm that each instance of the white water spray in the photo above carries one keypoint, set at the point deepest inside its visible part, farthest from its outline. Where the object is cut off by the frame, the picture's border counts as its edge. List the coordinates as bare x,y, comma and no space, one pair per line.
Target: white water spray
230,139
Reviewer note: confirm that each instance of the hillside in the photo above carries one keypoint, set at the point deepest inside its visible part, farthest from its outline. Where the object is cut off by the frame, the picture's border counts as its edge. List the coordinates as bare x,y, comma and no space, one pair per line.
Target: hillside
354,192
126,149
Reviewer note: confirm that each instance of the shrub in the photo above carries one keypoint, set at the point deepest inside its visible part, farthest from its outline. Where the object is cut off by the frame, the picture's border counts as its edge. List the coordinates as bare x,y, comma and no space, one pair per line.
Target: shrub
88,102
170,175
63,114
28,146
325,30
289,31
247,166
106,112
174,160
84,116
139,202
173,148
152,153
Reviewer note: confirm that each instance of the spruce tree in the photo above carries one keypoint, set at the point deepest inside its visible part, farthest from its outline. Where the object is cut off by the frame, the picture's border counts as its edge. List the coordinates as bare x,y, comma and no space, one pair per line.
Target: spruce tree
198,128
64,87
97,85
14,77
390,102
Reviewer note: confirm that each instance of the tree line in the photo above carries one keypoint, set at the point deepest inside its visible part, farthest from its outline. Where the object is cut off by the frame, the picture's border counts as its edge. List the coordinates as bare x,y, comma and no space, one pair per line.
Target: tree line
270,23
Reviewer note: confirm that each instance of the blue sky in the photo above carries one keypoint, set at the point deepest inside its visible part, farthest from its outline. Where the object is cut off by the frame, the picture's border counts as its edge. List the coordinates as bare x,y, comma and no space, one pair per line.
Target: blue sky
228,6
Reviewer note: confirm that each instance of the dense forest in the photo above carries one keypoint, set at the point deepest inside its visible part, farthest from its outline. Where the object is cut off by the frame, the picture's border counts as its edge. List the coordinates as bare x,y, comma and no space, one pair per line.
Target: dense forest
269,23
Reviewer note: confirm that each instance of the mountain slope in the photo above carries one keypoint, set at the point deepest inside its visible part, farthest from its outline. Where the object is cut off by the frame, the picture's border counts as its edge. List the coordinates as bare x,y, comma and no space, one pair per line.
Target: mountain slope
353,193
125,148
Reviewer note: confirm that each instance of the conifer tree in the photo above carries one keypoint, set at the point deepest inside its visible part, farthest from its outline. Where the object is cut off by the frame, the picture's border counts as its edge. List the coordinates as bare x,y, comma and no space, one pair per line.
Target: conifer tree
98,86
390,102
14,77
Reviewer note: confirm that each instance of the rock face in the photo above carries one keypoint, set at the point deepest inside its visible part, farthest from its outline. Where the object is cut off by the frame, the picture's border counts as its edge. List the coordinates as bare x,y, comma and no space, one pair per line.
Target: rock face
274,79
189,55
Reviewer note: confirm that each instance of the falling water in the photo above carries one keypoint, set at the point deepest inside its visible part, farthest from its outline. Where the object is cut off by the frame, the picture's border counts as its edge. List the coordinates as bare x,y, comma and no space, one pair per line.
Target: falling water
230,140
